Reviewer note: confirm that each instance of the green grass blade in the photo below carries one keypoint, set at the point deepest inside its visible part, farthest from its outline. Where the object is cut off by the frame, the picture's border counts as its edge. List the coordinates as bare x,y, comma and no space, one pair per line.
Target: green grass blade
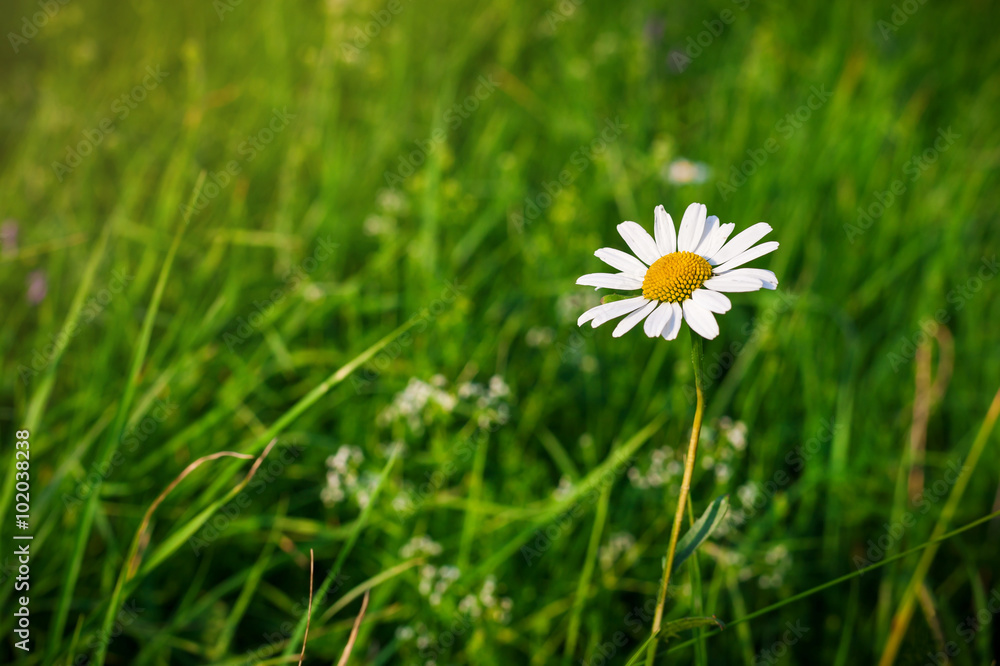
583,583
110,445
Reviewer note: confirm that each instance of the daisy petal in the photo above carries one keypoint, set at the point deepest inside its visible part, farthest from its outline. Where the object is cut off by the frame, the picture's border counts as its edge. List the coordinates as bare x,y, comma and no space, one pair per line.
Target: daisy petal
692,227
767,277
626,324
622,261
671,331
711,226
700,320
641,243
608,311
741,242
663,230
610,281
715,243
732,284
712,301
656,322
749,255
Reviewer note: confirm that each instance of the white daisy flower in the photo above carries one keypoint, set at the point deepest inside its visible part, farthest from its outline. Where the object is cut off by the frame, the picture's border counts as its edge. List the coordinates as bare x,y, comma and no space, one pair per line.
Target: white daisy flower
682,276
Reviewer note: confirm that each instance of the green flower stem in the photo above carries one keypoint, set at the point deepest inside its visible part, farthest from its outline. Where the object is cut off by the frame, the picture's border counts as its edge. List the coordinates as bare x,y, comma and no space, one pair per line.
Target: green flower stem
697,352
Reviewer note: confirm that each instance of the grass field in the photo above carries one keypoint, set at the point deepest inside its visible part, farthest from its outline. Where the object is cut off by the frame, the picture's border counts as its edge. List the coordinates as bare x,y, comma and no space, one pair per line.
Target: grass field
355,227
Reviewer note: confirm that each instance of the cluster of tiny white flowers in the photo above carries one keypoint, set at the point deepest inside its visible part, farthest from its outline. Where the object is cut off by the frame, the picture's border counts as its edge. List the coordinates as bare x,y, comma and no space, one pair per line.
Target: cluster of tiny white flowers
724,440
735,433
486,604
748,493
616,546
343,477
411,403
435,581
780,561
488,401
720,444
539,336
391,204
420,545
662,470
419,634
403,501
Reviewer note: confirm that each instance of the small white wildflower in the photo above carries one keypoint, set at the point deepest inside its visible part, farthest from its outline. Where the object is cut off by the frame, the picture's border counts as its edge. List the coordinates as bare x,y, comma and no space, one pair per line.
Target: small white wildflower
420,545
391,201
411,403
498,387
470,606
635,476
343,480
738,436
686,172
747,494
378,225
617,545
539,336
776,554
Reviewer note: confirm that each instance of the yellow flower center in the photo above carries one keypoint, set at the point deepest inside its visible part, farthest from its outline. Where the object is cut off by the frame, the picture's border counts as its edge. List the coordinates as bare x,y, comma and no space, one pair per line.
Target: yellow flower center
675,276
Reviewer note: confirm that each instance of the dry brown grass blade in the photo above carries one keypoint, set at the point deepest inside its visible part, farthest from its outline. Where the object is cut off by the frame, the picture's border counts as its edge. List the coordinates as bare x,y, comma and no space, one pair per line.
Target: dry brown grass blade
927,394
142,537
309,611
930,614
354,632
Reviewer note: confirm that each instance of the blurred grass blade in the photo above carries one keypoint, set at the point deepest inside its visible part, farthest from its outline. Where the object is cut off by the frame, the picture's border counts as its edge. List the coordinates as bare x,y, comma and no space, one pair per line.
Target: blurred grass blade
590,560
40,396
106,452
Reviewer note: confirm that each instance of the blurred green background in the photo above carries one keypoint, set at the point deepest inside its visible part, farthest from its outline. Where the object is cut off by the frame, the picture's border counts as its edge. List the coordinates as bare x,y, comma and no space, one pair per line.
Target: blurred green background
372,165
